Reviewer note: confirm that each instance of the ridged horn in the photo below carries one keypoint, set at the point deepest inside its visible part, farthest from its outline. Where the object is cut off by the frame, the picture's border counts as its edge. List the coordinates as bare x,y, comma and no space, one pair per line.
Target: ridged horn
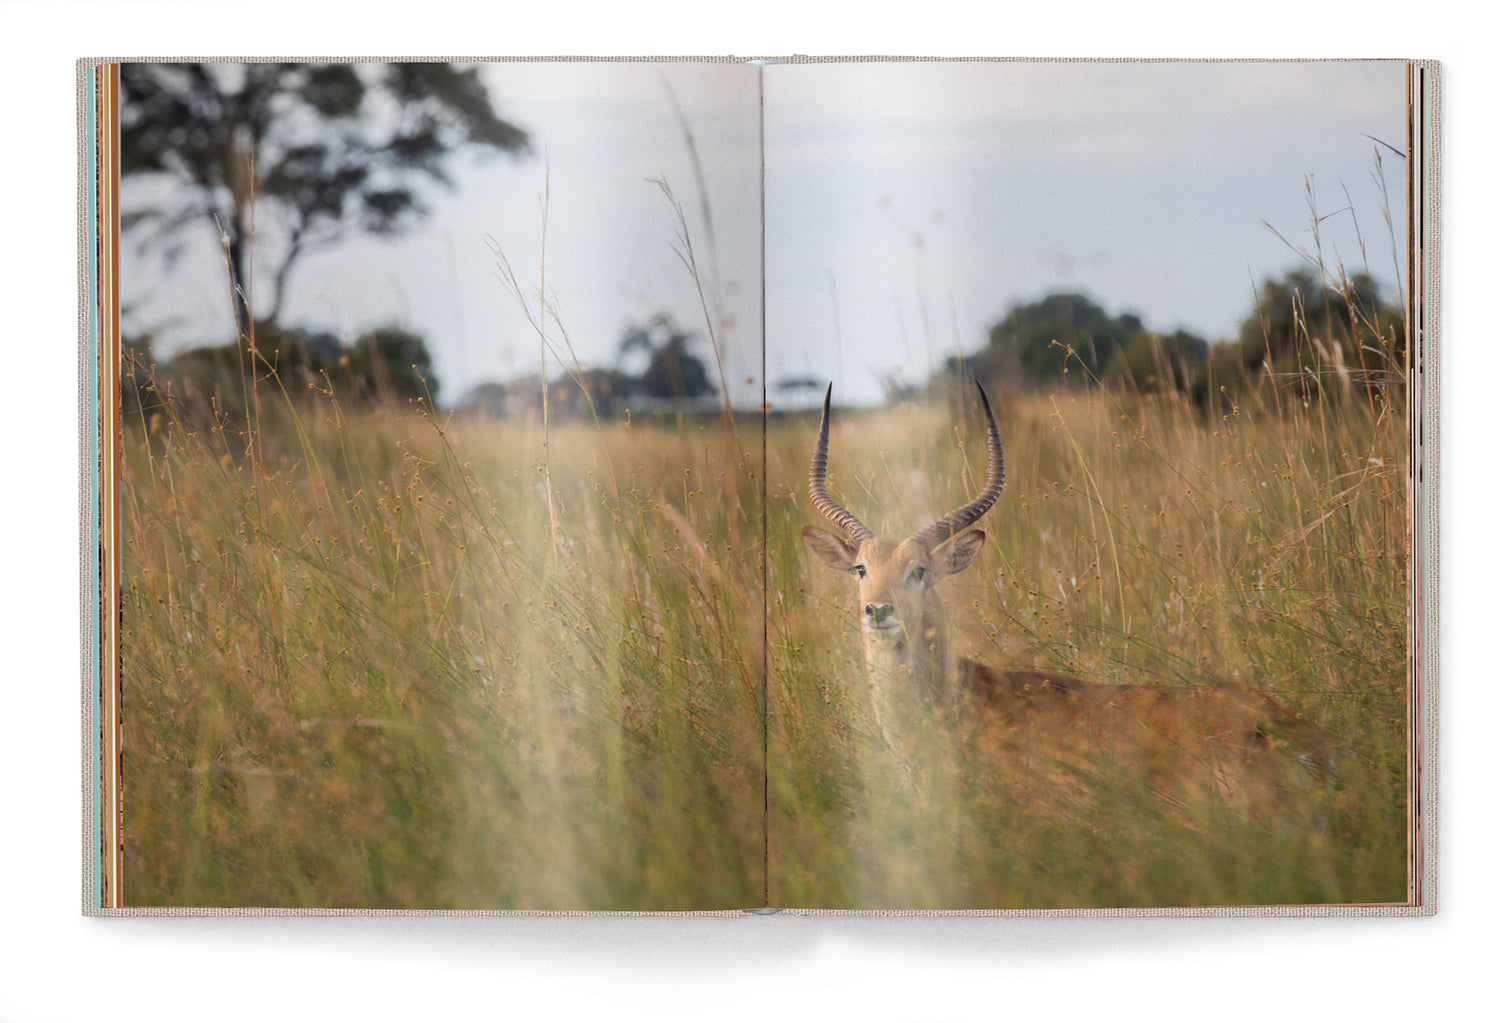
955,521
854,530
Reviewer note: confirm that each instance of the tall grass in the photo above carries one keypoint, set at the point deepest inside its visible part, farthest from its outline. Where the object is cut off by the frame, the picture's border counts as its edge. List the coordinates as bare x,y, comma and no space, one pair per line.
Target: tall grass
1137,540
358,671
355,675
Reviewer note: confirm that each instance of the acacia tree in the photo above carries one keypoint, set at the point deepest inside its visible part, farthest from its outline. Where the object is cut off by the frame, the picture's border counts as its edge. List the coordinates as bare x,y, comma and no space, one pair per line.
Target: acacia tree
305,152
672,371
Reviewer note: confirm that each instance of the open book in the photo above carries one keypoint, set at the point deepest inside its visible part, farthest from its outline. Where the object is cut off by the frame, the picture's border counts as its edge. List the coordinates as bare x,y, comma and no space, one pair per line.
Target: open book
712,486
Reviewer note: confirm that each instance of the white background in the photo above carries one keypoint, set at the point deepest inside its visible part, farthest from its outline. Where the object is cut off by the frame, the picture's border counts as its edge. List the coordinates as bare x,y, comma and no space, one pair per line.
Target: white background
57,965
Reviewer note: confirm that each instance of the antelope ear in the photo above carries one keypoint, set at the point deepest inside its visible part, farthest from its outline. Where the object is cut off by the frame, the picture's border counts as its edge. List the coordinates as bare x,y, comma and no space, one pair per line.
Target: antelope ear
960,553
831,550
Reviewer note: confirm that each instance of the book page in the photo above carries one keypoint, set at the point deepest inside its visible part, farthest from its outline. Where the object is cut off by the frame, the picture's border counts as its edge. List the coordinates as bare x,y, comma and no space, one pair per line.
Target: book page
437,397
1098,595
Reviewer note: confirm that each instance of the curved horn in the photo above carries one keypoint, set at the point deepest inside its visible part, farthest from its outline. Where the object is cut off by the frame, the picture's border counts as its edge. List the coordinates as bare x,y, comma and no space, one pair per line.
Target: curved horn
853,529
937,532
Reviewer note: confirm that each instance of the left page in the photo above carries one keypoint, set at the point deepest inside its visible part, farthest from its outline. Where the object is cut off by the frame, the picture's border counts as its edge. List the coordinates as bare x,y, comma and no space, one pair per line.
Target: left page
431,398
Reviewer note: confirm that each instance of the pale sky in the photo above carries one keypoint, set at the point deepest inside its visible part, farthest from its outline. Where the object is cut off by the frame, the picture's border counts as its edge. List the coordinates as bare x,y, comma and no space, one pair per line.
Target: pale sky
931,197
907,206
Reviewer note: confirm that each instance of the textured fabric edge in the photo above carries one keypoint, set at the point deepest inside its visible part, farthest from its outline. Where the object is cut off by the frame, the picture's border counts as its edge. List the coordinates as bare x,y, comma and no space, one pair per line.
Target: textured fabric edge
87,486
1275,912
1427,133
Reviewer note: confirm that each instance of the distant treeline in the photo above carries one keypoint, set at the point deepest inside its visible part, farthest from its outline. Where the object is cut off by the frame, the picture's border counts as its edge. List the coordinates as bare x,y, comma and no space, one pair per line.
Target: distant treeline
1305,334
393,366
386,365
671,377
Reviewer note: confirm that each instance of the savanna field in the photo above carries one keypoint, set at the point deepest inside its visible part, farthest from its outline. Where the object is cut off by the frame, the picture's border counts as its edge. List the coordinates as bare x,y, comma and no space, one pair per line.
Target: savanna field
396,659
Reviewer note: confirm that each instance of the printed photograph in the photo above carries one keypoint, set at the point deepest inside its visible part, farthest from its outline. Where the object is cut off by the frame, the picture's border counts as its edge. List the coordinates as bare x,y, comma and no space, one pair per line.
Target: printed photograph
715,486
1092,591
441,537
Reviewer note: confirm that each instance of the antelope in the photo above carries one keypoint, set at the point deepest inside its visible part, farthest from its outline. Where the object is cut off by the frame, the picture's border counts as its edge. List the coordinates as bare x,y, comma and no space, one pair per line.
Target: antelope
1182,739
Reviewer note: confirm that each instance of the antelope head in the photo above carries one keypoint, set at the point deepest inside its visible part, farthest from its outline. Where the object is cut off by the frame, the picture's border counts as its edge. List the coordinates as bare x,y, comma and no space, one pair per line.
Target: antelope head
902,622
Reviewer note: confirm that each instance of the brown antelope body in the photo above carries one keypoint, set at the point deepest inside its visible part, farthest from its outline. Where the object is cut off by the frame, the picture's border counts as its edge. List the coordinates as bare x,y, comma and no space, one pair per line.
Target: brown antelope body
1183,741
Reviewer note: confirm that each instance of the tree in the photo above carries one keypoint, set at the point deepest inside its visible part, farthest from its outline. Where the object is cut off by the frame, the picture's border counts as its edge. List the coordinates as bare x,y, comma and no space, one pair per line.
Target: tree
1301,319
321,147
387,365
1035,338
392,363
1152,362
671,370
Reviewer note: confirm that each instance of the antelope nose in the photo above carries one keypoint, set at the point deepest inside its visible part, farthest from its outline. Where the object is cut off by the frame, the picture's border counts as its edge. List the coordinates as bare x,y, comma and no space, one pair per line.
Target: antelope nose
878,613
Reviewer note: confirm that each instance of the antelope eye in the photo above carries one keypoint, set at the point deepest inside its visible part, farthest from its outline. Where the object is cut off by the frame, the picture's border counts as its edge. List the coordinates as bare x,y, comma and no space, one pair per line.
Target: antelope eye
917,573
859,570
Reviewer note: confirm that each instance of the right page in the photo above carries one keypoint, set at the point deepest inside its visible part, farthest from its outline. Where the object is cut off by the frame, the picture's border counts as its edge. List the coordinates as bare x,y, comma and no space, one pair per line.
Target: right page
1086,472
